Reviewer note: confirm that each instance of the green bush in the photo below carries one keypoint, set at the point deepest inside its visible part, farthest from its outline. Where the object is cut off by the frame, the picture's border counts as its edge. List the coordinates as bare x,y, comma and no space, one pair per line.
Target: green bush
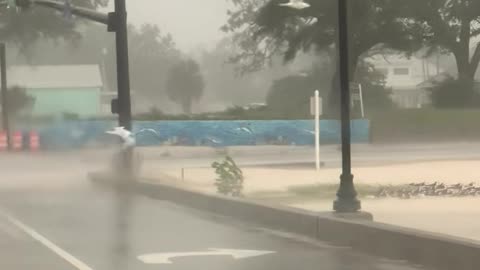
229,177
455,93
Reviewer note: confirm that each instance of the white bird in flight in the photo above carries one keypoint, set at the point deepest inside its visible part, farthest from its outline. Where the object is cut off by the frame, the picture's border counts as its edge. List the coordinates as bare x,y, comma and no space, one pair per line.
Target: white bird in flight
128,137
295,4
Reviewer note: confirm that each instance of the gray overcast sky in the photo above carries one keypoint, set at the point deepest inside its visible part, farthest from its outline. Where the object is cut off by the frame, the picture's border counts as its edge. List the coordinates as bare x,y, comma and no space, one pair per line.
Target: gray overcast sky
192,23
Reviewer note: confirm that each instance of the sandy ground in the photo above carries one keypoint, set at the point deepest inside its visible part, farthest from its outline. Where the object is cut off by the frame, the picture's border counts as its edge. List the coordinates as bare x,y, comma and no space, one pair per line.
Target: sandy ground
273,179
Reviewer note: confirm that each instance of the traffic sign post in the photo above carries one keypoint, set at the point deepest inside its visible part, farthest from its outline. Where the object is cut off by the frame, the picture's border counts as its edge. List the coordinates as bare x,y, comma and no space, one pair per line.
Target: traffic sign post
316,109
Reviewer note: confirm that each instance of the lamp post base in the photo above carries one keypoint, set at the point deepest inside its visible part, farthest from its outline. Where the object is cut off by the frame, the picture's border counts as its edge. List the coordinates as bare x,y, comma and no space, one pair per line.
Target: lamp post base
347,205
347,201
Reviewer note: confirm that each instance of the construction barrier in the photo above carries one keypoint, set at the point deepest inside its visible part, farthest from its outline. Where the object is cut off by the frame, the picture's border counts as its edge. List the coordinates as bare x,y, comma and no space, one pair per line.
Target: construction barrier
17,140
34,141
3,141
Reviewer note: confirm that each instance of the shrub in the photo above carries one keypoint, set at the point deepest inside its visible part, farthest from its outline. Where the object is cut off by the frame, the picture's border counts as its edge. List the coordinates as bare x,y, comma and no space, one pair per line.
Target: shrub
455,93
229,177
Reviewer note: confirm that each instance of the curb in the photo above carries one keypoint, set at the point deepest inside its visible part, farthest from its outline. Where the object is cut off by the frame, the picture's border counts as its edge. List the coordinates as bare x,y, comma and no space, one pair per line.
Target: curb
419,247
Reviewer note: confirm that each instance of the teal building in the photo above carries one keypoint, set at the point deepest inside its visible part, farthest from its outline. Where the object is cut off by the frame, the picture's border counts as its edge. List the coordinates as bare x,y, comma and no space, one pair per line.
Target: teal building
75,89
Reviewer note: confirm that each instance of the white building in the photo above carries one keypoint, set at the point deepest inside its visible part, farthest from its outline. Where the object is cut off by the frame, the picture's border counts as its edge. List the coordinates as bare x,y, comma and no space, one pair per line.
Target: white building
405,75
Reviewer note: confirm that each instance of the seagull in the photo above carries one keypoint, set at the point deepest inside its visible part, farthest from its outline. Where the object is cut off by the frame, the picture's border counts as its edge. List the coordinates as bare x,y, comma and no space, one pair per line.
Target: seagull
295,4
128,137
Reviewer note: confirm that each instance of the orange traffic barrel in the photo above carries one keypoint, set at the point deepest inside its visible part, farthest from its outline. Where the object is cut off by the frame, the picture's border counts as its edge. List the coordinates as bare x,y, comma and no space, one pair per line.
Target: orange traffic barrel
17,140
3,141
34,141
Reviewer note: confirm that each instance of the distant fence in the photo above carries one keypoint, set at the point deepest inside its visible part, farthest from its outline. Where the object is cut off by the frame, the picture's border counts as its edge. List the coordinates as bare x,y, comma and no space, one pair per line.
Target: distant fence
76,134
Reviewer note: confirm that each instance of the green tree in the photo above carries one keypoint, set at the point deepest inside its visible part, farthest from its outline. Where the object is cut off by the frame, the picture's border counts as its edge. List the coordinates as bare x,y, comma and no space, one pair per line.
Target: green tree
455,93
18,100
185,84
376,94
289,97
152,55
451,26
263,29
24,26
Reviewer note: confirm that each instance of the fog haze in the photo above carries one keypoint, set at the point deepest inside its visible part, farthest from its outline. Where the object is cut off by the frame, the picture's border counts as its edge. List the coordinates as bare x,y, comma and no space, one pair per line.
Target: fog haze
193,23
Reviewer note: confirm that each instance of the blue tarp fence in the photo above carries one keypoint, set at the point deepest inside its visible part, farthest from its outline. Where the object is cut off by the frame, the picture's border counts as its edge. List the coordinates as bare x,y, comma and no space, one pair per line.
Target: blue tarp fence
76,134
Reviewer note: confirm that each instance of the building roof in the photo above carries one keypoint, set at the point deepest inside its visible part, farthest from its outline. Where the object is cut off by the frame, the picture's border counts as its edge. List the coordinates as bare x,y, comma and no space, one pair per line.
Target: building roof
59,76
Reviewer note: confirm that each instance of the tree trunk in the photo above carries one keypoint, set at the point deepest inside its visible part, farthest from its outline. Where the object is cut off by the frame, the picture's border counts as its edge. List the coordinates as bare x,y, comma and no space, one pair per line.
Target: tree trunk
466,79
462,53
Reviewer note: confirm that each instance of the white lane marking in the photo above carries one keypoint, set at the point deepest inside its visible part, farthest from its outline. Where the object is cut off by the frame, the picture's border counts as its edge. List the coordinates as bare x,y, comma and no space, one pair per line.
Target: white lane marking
11,231
47,243
165,258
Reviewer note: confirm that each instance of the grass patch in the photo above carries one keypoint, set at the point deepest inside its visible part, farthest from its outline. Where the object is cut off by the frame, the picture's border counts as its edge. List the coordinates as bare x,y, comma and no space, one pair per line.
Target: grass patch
329,191
318,192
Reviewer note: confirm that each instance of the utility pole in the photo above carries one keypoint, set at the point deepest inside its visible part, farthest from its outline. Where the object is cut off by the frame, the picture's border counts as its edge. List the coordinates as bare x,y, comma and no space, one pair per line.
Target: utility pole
5,122
123,79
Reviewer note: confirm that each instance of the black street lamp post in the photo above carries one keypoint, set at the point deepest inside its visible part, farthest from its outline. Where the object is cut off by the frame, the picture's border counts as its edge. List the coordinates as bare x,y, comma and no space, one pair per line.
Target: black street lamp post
347,201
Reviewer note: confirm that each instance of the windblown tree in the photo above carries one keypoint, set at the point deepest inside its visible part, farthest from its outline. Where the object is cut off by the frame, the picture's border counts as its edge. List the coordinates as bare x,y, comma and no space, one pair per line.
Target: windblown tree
452,26
24,26
185,84
153,53
289,96
18,100
263,29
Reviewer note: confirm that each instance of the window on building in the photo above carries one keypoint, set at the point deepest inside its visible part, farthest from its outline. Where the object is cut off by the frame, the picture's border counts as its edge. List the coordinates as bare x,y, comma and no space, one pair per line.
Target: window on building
401,71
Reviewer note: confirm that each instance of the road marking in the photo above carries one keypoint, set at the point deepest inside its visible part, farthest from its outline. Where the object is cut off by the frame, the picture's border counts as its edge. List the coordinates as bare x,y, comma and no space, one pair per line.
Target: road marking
165,258
11,231
47,243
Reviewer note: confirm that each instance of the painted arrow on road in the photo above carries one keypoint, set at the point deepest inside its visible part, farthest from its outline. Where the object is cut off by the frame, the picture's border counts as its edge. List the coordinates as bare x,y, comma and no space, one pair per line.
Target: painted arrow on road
165,258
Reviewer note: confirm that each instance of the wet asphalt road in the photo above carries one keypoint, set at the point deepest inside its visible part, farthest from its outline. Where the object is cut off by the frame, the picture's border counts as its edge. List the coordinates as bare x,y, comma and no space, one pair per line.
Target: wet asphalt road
82,227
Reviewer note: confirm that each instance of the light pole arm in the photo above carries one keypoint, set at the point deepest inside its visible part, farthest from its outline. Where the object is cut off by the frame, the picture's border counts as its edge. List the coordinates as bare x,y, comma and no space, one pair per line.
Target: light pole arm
78,11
